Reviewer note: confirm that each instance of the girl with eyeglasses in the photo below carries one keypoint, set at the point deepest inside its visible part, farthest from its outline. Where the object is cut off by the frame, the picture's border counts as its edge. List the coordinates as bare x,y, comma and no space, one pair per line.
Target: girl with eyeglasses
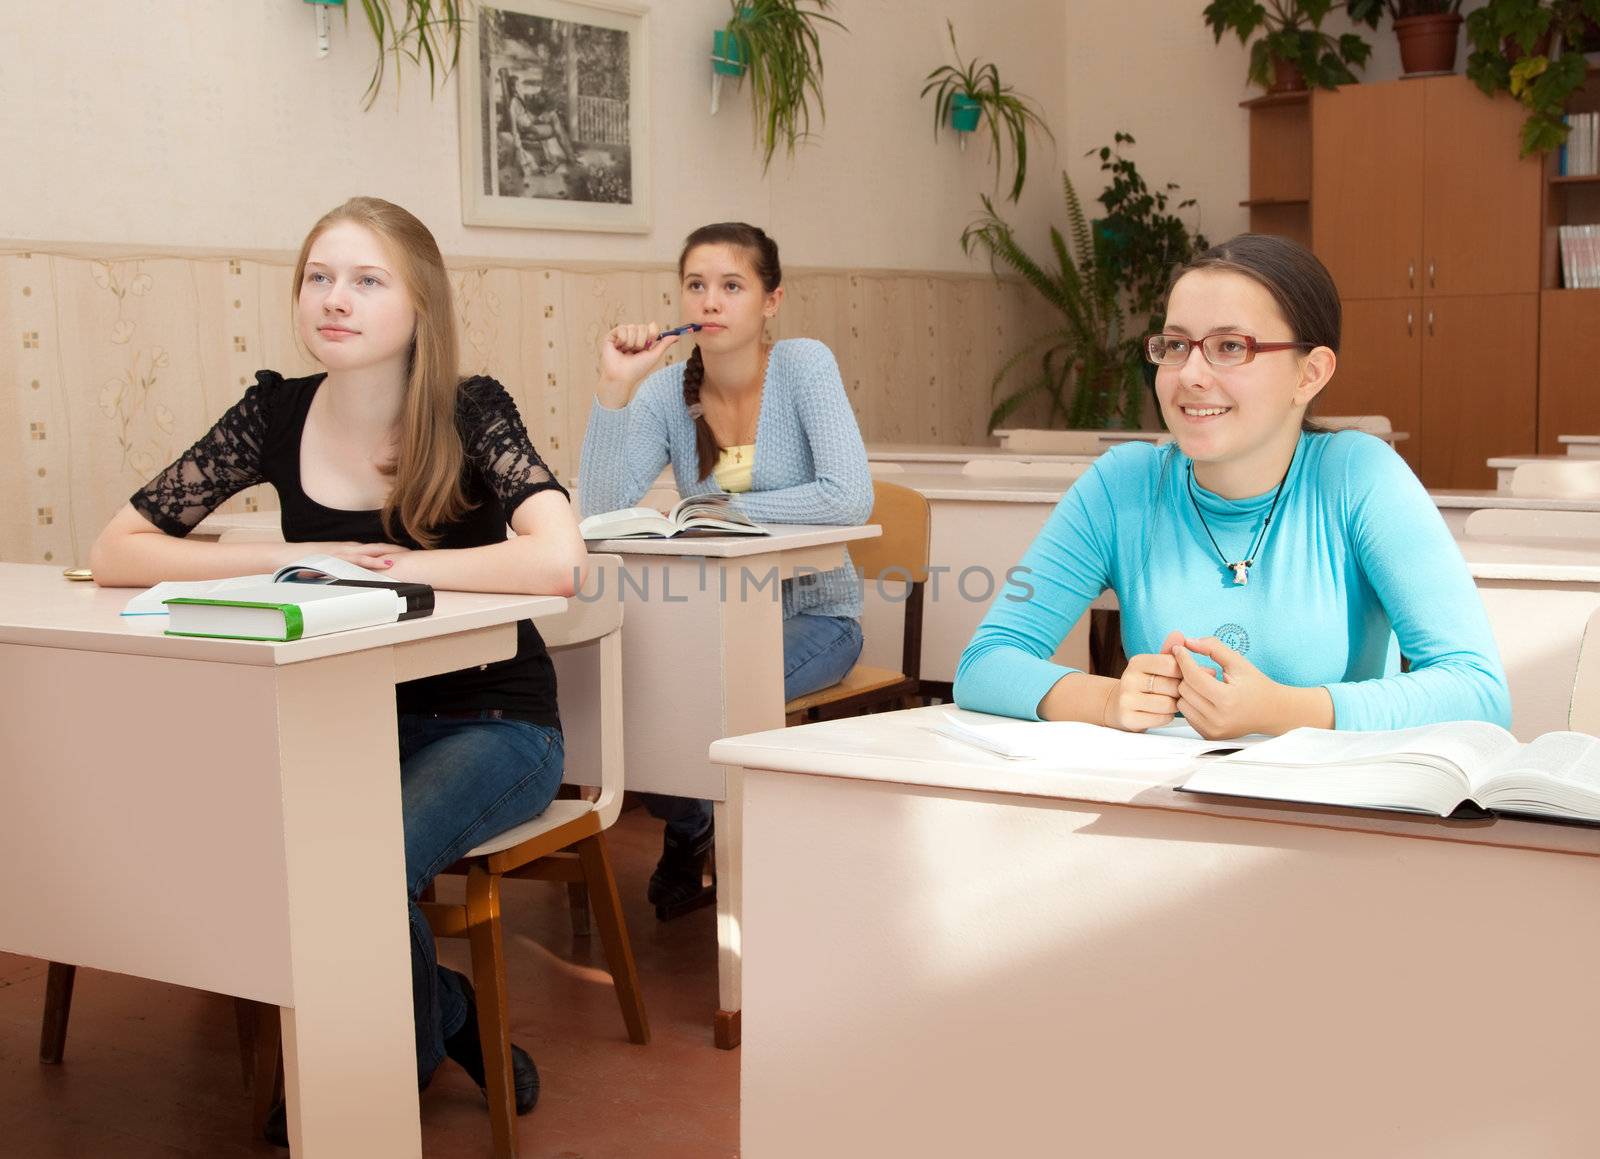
1270,575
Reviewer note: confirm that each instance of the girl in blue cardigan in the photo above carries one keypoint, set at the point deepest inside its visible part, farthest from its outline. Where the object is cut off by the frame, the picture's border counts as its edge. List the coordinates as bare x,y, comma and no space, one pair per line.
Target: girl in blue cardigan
1270,575
769,426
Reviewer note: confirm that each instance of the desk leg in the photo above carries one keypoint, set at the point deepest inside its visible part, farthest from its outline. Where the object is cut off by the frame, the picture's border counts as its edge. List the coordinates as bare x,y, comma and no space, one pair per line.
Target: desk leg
350,1070
752,698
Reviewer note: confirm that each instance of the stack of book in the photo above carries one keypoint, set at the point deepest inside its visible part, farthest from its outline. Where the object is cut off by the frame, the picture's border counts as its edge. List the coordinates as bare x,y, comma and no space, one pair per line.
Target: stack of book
1580,156
1580,256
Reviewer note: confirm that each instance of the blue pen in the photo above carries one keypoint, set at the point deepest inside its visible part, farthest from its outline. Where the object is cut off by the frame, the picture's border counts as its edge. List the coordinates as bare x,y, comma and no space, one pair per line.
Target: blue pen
676,330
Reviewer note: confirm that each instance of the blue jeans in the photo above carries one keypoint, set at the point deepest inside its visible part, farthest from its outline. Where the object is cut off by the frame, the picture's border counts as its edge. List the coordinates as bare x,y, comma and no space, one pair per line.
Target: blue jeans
462,780
817,651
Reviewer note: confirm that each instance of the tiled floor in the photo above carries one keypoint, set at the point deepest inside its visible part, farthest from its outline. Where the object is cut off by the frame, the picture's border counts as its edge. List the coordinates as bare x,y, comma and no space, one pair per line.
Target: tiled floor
152,1071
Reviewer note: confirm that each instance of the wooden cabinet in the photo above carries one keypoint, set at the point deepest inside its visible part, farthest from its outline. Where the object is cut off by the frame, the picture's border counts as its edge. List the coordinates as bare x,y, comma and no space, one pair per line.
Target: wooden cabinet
1479,385
1429,221
1366,188
1569,374
1380,366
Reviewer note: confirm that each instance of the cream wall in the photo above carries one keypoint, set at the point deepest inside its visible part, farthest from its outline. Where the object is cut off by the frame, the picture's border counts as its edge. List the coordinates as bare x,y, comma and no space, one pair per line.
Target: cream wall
210,124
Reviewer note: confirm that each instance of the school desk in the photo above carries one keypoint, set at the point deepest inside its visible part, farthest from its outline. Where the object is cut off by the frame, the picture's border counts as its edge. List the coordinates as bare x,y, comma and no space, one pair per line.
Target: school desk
225,815
702,658
949,954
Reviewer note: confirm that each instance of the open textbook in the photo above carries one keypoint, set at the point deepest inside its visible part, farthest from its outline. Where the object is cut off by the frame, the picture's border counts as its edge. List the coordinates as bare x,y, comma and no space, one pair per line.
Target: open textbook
413,599
1465,768
1070,744
696,515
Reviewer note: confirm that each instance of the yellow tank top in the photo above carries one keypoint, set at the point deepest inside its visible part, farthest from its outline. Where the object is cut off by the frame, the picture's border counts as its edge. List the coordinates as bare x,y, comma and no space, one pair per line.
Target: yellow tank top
733,468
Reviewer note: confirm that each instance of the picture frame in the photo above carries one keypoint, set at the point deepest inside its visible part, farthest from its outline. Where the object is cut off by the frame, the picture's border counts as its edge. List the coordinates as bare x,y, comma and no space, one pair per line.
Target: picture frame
554,116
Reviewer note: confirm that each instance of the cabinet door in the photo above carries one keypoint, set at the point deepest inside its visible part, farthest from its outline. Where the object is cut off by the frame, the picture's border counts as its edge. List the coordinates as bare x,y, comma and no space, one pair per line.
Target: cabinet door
1380,367
1366,188
1569,393
1479,377
1481,219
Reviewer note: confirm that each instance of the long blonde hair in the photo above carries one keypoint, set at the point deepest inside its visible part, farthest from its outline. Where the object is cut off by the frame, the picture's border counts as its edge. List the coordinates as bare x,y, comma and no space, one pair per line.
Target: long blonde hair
428,486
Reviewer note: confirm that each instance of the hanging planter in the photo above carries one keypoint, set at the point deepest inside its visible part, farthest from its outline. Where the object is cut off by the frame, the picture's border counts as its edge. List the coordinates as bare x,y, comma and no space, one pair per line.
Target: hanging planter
726,58
970,93
964,113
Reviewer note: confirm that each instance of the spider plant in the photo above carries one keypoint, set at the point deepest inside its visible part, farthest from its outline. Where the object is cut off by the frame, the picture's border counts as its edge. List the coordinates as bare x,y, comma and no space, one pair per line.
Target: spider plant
1007,113
777,42
426,32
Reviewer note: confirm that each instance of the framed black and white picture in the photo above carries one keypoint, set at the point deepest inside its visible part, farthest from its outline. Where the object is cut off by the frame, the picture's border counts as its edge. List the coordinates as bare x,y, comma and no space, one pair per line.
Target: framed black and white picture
554,125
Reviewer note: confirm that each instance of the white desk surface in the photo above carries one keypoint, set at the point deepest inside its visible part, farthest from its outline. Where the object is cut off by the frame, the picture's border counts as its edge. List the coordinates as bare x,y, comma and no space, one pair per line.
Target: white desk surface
1574,561
1579,440
1508,462
784,537
979,488
43,608
947,453
1477,500
901,748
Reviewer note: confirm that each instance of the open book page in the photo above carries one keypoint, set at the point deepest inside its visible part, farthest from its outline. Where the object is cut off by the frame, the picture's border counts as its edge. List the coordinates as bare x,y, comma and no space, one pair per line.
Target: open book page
1557,774
1072,745
1464,745
321,569
712,512
629,522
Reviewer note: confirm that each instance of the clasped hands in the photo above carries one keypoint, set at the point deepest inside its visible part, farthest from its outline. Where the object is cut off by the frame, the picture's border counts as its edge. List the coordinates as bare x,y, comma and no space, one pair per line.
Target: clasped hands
1155,688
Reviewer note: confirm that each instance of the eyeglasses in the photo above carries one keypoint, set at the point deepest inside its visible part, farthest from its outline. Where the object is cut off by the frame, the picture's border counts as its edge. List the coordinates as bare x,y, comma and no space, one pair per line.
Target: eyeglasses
1219,349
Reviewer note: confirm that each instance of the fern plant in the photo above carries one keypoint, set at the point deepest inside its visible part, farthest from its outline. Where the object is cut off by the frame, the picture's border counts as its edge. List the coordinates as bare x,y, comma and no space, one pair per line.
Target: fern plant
1106,279
777,42
426,32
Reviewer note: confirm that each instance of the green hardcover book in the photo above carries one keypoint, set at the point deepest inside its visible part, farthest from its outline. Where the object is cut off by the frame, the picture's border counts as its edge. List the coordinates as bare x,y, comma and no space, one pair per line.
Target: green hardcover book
282,611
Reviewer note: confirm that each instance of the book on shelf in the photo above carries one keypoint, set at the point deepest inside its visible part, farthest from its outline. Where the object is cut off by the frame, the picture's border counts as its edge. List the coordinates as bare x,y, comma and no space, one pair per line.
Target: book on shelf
412,599
1457,769
695,515
1580,256
1580,154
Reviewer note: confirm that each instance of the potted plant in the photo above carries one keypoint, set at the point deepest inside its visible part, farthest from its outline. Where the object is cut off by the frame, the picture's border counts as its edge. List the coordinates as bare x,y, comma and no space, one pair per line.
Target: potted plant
1108,280
1533,50
1426,29
969,93
426,32
774,45
1294,52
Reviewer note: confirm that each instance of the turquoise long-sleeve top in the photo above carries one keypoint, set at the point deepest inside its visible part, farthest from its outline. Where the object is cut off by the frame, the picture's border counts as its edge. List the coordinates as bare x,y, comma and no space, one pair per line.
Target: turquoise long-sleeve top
1357,568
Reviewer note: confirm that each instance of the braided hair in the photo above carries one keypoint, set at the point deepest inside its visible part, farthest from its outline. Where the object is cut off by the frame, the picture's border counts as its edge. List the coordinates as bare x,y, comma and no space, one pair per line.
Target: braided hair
763,252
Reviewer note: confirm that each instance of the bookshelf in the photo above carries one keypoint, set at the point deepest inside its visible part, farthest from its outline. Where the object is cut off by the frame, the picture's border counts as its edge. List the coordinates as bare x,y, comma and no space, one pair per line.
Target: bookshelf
1568,318
1280,165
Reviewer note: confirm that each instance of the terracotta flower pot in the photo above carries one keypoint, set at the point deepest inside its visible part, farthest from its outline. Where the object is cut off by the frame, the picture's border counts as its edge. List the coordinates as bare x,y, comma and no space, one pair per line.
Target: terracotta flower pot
1286,78
1428,43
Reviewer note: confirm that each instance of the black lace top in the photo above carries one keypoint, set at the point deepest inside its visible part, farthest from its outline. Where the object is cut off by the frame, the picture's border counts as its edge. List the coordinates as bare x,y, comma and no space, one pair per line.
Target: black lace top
258,441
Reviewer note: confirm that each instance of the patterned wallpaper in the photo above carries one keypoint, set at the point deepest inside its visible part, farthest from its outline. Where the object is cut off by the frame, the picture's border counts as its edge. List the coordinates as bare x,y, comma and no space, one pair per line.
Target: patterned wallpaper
110,368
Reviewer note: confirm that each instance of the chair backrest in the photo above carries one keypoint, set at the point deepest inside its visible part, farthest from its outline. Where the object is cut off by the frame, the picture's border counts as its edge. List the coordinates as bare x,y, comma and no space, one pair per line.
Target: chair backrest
1583,714
901,552
585,644
878,469
1557,479
1372,424
1038,472
1041,442
1519,523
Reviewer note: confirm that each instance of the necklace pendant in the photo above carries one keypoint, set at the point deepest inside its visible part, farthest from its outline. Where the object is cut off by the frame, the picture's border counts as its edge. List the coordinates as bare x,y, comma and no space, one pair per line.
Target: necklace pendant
1241,572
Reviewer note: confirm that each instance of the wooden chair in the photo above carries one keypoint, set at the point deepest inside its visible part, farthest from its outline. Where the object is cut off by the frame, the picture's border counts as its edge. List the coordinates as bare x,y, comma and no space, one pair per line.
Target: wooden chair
900,553
1557,479
1516,523
1583,714
565,843
1028,470
1043,442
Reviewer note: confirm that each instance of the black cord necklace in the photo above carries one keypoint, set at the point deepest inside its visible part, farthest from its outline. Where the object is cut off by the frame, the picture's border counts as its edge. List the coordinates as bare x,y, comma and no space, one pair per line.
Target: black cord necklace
1241,569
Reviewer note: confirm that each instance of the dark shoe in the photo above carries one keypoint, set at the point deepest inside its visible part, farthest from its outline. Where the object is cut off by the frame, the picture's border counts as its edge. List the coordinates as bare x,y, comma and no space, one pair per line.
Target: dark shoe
466,1050
678,885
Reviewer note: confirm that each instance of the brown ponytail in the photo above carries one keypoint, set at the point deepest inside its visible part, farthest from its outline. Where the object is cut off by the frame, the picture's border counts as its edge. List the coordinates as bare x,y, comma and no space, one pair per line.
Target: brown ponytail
763,253
705,443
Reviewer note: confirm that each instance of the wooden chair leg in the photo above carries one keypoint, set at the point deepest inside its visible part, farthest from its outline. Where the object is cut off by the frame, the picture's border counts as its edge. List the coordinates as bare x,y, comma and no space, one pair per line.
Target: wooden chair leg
578,904
266,1079
494,1020
606,907
57,1008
